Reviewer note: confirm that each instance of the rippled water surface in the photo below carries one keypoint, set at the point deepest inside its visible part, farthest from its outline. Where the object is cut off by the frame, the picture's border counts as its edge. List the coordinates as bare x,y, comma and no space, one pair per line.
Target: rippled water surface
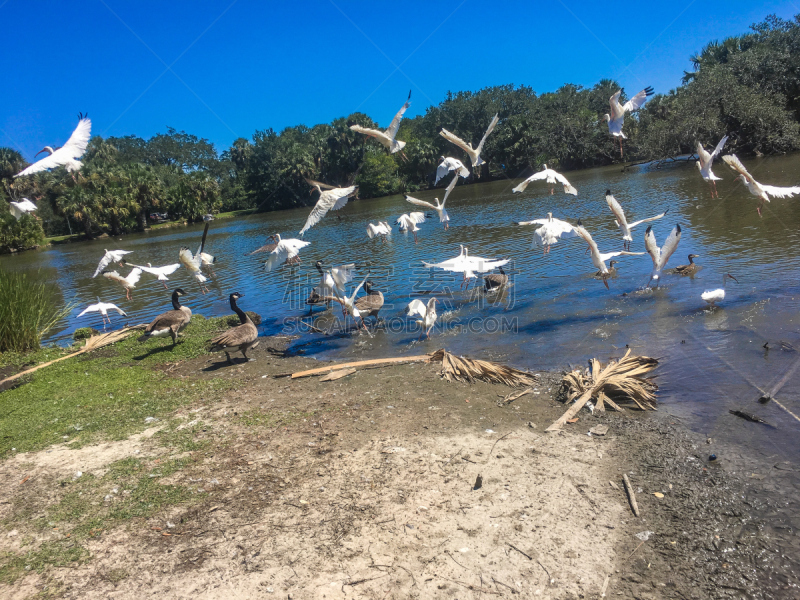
555,313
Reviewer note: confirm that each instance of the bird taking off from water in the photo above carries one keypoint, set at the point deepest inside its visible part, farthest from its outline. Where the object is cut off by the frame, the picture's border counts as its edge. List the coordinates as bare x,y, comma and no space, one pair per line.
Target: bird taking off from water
474,153
387,137
617,116
622,222
599,259
426,311
704,164
757,189
661,255
439,208
550,232
67,155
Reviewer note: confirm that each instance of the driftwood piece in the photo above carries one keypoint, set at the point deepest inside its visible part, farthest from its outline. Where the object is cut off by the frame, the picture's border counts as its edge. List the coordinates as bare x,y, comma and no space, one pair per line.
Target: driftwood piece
93,343
514,395
631,494
334,375
361,363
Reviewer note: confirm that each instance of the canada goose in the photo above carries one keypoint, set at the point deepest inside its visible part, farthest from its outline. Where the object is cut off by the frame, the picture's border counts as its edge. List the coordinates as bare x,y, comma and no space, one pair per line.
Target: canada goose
438,207
408,222
612,270
192,264
450,164
103,308
128,282
427,312
705,162
474,153
171,322
757,189
371,304
689,269
599,259
241,338
495,281
622,222
552,177
109,257
286,252
661,255
551,231
160,272
718,295
332,199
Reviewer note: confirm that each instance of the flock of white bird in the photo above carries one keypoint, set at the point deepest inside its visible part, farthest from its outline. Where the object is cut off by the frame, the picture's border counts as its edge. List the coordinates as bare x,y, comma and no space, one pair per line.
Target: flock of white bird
333,281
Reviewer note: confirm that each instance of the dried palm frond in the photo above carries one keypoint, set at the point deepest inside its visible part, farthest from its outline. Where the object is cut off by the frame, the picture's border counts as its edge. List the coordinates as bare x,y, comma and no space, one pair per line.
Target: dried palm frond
620,381
469,370
93,343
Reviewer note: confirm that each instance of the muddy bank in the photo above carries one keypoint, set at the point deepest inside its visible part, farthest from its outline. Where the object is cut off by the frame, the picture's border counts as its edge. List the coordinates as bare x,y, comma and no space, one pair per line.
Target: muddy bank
365,487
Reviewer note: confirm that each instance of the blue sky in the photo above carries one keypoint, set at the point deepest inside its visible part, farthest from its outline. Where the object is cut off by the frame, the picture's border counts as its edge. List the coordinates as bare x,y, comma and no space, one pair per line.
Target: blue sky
223,70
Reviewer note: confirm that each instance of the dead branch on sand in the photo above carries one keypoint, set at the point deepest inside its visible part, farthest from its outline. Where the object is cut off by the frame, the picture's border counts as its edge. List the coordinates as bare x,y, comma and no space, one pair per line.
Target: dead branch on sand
623,380
469,370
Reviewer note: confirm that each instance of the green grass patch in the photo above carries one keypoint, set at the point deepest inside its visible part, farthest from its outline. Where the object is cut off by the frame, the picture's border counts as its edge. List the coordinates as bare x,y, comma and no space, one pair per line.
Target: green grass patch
106,394
62,553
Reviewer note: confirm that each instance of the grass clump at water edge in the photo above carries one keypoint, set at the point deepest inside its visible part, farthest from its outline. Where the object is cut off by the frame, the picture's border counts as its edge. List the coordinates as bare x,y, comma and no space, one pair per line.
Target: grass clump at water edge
27,311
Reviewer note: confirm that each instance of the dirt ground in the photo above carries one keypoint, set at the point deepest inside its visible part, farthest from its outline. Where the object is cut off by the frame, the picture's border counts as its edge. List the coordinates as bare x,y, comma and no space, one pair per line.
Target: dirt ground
365,487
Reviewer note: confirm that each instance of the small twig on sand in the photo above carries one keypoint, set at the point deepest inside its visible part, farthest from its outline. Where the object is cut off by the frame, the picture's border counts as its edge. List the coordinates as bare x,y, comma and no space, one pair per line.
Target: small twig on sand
495,444
549,578
631,495
513,590
634,550
529,557
478,589
455,561
513,396
605,585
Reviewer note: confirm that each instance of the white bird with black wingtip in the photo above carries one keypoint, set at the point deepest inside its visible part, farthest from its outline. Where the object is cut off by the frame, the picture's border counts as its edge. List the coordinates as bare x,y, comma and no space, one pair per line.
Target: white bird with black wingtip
103,308
473,153
67,155
552,177
438,207
599,258
704,164
617,117
661,255
718,295
387,137
622,222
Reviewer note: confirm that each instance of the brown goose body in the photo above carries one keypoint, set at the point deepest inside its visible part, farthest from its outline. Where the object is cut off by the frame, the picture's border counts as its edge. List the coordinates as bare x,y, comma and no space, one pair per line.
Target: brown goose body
241,338
495,281
371,304
689,269
170,323
612,271
265,248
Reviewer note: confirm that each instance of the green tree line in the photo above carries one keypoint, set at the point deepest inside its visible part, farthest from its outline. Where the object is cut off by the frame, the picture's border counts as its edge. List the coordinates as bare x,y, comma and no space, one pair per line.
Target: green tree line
746,86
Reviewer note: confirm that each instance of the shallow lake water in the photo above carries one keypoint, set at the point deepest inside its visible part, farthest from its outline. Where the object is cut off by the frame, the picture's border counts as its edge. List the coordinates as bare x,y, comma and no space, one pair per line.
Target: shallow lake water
553,315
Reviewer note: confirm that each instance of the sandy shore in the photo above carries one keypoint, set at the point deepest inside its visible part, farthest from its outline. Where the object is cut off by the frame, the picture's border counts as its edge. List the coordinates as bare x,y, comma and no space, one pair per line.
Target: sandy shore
365,487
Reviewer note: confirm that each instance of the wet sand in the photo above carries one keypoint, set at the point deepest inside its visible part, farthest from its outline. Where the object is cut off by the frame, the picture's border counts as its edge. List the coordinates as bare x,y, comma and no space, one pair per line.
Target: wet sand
364,488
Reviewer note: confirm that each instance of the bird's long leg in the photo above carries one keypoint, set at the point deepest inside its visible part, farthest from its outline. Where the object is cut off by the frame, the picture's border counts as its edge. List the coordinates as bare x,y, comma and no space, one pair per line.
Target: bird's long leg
228,356
759,208
415,236
605,280
620,147
127,293
364,325
165,285
551,190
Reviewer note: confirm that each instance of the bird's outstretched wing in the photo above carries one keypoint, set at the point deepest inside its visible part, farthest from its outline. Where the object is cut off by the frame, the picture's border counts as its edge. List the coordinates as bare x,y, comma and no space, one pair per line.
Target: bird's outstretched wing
568,188
326,202
343,275
25,205
395,124
90,308
77,142
670,245
490,129
587,237
134,276
535,177
419,202
324,186
734,163
104,262
781,192
417,217
372,230
652,247
616,208
718,149
534,222
416,307
285,250
366,130
638,100
449,188
454,139
640,221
